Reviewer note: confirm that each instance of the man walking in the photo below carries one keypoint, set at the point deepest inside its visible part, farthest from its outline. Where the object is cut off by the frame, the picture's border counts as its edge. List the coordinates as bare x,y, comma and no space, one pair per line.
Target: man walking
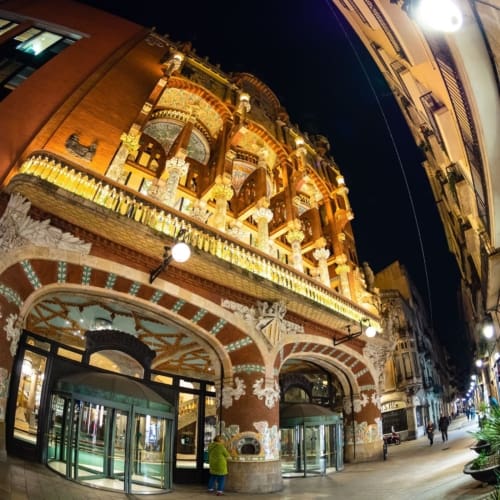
444,422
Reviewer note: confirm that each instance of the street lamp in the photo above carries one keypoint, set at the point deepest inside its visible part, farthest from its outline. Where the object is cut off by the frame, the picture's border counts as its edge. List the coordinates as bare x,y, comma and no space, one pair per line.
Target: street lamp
437,15
179,252
370,332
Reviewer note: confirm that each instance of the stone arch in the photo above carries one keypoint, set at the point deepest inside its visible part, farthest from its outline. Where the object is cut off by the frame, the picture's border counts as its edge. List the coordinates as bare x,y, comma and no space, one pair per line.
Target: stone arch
29,272
361,402
348,361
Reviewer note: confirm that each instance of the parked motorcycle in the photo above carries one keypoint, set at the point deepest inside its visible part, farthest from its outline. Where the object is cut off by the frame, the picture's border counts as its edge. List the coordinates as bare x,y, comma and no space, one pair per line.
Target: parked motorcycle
392,438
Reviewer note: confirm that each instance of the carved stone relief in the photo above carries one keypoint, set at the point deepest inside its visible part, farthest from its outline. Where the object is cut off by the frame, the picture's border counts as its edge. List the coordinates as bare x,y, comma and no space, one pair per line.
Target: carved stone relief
17,229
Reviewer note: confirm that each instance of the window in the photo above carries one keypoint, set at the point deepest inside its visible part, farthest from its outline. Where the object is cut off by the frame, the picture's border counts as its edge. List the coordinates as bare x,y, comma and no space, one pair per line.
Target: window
24,53
6,25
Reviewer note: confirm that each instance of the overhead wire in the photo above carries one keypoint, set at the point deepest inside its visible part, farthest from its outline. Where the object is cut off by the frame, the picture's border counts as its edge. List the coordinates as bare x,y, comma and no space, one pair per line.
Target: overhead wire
396,151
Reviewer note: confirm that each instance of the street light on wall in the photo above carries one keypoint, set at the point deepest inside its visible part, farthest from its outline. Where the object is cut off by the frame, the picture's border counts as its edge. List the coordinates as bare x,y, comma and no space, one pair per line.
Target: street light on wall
370,332
179,252
437,15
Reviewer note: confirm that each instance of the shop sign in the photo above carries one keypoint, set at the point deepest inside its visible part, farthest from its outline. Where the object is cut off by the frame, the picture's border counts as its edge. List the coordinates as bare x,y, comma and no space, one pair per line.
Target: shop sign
393,405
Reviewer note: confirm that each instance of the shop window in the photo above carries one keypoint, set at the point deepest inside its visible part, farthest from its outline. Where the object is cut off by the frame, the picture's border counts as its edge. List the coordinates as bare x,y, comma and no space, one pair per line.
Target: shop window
397,419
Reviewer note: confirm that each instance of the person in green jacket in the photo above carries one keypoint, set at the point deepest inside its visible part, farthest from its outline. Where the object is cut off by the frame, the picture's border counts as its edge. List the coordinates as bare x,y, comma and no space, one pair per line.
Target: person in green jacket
217,461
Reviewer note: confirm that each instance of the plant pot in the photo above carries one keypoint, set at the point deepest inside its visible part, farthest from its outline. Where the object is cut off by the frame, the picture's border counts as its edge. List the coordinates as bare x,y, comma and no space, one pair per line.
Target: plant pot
487,474
481,447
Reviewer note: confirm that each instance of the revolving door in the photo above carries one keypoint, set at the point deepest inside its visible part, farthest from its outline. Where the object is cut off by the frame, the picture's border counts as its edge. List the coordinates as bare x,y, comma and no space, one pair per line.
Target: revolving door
311,440
119,439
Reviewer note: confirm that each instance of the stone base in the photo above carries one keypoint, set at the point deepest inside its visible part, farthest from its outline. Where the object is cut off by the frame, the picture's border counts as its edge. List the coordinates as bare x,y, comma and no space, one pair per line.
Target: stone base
364,452
254,477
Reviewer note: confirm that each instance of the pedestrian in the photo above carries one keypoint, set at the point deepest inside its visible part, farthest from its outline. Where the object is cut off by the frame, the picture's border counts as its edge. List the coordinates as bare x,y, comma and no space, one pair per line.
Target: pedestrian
444,422
430,432
467,413
217,461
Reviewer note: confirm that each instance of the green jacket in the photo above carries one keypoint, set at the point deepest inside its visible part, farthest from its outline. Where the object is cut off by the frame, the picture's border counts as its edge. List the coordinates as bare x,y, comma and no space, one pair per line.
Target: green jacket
217,459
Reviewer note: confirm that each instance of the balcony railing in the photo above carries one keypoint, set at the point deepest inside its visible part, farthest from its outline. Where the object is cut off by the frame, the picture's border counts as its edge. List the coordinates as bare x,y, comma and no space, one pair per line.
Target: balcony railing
115,197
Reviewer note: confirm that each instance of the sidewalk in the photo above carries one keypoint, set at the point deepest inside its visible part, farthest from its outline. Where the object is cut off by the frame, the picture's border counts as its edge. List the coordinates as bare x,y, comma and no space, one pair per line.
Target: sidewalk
413,470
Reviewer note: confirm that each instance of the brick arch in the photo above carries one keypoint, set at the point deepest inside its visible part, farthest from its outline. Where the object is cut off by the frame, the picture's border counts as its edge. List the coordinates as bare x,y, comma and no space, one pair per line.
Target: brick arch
30,272
214,101
357,374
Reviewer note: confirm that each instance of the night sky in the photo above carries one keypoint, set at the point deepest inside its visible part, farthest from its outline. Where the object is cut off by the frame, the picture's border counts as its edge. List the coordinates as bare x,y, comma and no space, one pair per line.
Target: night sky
322,75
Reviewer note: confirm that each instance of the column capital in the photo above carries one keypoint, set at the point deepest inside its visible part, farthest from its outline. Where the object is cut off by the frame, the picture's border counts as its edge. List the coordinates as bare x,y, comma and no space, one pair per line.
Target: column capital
321,253
263,213
130,141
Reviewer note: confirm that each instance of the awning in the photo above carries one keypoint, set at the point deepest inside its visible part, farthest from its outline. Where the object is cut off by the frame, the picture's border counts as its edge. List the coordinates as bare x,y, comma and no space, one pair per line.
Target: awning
113,388
310,414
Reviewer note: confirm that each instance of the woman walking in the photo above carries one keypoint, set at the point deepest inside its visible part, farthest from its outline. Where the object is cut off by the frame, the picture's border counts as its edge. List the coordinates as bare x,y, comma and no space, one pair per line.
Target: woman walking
430,432
217,460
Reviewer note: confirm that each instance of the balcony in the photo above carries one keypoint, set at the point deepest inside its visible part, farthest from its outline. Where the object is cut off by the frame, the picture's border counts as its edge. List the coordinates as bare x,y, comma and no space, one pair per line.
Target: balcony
116,212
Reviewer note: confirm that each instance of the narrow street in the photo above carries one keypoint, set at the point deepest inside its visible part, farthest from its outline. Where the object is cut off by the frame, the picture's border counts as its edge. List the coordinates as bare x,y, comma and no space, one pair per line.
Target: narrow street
413,470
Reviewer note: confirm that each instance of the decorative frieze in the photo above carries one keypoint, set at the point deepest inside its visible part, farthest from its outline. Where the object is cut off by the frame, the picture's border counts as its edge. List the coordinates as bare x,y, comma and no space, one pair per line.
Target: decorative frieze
17,229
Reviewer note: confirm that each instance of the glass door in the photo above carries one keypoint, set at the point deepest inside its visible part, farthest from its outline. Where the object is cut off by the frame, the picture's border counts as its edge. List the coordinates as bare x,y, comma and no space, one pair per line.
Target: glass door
292,451
150,465
314,446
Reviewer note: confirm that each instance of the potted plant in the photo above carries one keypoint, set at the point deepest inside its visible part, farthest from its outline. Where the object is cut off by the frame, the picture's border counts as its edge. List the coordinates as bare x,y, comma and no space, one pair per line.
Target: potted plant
486,465
484,468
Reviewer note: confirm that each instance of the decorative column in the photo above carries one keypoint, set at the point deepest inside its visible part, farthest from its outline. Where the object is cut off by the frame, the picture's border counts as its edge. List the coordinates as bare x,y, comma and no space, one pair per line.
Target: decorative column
222,193
321,255
295,236
252,436
173,64
262,215
244,105
363,427
175,169
342,190
342,271
129,145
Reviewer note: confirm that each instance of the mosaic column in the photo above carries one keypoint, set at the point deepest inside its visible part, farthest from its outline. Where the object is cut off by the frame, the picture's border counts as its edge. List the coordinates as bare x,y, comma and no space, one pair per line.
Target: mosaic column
9,321
175,168
222,193
263,216
173,64
295,236
342,271
363,427
321,255
129,145
250,426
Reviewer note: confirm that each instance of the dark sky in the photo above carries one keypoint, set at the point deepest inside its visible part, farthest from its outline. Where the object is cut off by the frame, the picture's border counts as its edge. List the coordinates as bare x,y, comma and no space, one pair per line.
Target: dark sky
311,59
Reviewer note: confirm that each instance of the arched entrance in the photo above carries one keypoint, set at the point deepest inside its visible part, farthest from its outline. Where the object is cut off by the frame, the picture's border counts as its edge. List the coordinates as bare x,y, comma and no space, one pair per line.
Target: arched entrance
311,431
110,432
311,440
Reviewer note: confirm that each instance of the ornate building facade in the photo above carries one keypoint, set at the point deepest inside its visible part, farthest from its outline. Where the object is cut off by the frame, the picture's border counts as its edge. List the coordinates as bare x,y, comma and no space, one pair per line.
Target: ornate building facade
416,377
117,144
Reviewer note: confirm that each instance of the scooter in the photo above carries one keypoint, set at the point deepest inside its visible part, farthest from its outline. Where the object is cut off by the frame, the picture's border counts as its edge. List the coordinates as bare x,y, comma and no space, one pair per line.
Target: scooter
392,438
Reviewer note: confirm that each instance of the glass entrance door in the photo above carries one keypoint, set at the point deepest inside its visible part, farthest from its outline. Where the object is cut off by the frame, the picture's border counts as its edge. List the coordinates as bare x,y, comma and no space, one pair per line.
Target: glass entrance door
108,447
150,449
309,449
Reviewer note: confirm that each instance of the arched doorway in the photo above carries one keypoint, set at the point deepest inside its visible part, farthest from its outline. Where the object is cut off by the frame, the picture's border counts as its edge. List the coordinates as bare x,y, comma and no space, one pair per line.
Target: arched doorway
311,440
111,432
311,422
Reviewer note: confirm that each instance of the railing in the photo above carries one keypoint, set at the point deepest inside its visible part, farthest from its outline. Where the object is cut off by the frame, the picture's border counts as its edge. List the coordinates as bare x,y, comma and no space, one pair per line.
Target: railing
115,197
